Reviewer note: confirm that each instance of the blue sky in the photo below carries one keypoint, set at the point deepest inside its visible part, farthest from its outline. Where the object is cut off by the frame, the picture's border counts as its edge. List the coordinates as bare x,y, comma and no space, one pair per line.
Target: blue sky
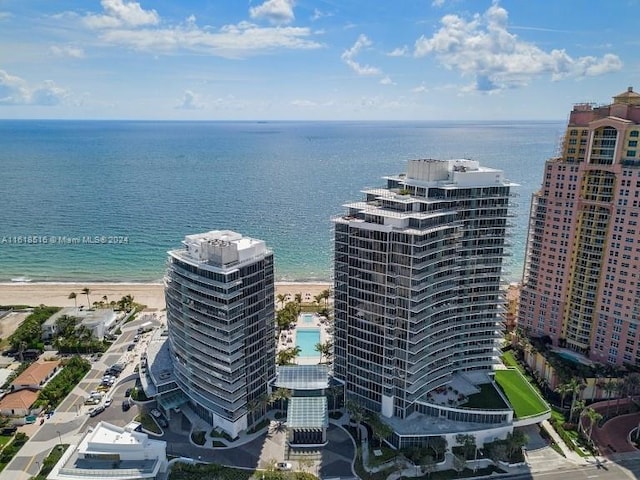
313,59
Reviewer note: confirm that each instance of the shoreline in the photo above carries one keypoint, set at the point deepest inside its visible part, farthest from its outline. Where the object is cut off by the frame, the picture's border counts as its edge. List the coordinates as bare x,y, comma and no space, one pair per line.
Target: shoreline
147,293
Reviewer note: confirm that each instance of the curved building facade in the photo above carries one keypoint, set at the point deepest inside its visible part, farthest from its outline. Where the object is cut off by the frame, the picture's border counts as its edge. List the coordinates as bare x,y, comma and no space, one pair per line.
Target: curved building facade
418,297
219,291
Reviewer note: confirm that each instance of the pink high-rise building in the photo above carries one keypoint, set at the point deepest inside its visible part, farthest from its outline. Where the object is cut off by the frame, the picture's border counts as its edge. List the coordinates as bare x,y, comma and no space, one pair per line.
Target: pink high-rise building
582,271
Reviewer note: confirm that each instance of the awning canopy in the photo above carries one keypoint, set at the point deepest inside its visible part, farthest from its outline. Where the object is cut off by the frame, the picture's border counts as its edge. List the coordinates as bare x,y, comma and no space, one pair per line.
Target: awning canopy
302,377
307,413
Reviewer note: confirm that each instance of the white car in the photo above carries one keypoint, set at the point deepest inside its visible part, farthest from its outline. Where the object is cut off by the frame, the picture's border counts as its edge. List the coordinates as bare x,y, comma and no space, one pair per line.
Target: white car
156,413
108,402
284,466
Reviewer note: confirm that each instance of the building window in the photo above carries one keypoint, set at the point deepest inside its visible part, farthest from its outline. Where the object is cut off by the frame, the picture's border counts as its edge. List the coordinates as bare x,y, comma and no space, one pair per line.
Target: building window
633,143
631,153
634,133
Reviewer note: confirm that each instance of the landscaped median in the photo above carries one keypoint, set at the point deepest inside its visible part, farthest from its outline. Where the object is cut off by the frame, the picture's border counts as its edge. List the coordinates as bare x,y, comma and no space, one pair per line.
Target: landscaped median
524,399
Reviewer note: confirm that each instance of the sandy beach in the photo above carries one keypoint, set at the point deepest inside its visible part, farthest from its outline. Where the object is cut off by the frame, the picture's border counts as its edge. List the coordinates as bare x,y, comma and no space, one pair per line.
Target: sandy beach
150,294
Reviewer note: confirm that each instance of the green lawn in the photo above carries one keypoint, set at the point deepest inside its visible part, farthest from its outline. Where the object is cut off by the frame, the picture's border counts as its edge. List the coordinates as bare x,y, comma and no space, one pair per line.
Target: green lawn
522,396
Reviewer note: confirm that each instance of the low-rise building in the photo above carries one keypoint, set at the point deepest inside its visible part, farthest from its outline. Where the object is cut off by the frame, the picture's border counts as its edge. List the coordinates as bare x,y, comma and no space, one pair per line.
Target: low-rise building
35,376
18,404
108,451
97,321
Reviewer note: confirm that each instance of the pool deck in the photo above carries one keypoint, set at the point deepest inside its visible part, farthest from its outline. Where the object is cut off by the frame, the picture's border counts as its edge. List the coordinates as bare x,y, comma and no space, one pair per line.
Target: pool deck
287,338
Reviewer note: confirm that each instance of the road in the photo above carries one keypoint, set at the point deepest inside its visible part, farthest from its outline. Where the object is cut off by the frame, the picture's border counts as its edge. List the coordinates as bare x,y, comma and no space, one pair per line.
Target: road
71,420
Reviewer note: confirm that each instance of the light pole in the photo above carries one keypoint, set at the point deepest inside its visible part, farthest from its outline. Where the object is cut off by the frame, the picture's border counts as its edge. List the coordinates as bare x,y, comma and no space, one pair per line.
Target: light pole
59,436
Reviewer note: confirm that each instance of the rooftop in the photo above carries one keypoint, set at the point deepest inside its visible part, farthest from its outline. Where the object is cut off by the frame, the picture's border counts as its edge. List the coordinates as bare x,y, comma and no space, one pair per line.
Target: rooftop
22,399
307,412
36,373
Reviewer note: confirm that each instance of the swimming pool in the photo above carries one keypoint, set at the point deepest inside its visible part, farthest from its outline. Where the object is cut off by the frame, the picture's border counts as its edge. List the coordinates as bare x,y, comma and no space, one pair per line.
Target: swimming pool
307,318
306,340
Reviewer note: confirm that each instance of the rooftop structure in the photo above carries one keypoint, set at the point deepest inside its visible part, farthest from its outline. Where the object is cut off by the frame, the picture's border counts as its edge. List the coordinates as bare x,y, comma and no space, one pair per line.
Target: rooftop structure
108,451
418,269
580,286
219,292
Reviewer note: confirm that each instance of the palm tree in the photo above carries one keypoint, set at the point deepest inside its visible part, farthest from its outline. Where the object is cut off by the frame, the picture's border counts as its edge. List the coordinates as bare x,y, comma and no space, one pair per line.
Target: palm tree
620,389
380,429
324,349
86,291
326,294
334,390
252,407
593,417
105,299
280,395
562,390
578,407
356,413
575,385
609,387
73,296
298,299
281,298
632,384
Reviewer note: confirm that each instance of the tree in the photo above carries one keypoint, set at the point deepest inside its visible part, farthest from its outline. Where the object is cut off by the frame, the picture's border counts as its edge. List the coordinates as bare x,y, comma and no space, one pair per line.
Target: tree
356,413
632,384
280,396
575,385
326,294
468,444
577,408
515,441
324,349
380,429
334,391
288,355
428,464
439,446
593,417
298,298
86,291
459,464
609,387
562,390
305,462
281,298
105,299
620,389
252,408
497,452
73,296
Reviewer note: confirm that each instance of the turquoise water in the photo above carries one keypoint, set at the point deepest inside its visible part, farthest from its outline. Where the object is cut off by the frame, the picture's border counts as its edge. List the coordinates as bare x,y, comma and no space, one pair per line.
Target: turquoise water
307,318
307,339
142,186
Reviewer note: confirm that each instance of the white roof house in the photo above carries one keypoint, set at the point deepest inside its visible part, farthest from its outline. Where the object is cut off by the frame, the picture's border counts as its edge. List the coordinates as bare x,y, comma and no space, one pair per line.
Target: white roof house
108,451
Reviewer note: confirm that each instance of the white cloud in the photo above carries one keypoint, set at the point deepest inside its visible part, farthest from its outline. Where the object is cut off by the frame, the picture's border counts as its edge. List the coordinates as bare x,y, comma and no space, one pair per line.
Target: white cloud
399,52
67,51
437,3
190,101
497,59
304,103
318,14
119,13
420,88
5,15
275,11
231,41
15,91
348,57
386,81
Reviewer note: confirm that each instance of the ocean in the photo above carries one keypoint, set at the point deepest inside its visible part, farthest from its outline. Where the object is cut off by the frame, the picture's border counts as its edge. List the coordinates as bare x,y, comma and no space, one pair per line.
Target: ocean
105,200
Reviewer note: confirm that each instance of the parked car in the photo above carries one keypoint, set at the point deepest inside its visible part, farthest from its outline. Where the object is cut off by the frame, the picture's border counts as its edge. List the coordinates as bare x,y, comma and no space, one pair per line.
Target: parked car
156,413
9,430
284,466
127,392
125,405
108,402
131,347
96,410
